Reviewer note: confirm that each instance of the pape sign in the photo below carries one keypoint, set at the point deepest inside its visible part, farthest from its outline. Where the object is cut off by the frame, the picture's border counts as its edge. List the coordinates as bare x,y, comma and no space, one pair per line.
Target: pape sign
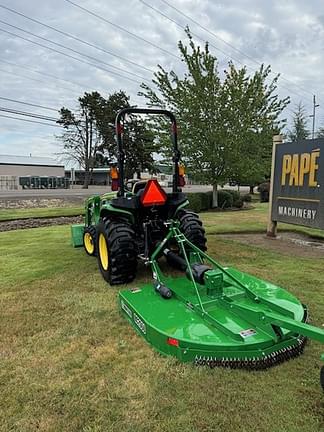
296,179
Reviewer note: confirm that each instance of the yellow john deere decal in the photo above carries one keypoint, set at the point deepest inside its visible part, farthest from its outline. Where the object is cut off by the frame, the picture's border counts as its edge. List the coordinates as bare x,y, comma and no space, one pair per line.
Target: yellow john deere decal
296,166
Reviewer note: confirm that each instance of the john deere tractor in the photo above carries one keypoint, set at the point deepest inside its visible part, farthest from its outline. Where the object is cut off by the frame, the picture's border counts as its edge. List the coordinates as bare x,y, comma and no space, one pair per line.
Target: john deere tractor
209,314
127,224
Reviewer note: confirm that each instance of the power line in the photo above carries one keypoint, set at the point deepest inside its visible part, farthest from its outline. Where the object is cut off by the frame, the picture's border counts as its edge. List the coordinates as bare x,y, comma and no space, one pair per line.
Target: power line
45,74
37,80
68,55
214,46
29,104
45,135
21,76
28,114
40,73
29,121
122,29
227,43
32,79
78,39
182,27
76,52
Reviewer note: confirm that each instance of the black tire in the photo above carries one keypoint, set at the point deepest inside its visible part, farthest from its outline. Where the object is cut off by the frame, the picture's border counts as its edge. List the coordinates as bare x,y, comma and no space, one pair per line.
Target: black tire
322,377
191,227
120,264
89,240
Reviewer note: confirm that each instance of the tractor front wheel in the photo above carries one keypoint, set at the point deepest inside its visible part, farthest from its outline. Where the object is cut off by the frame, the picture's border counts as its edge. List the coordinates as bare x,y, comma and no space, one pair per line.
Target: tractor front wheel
117,252
89,240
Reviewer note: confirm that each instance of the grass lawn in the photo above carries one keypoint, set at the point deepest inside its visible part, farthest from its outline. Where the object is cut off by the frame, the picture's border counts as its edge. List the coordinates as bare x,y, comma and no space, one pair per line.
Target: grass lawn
70,362
254,220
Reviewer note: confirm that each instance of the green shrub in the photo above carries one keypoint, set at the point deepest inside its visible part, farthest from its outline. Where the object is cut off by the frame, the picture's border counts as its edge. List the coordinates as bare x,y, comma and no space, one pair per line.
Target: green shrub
202,201
210,199
238,203
225,199
206,200
235,194
247,198
194,201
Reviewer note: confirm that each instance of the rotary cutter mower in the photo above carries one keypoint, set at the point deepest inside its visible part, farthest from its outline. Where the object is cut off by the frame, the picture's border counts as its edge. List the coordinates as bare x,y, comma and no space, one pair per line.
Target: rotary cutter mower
209,315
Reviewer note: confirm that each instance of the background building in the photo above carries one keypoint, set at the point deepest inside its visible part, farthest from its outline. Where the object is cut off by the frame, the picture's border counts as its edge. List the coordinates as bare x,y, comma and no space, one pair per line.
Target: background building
14,167
100,176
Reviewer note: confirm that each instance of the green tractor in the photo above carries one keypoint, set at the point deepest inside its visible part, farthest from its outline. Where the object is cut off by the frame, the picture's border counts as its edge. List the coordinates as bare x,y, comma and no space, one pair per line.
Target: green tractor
208,314
126,225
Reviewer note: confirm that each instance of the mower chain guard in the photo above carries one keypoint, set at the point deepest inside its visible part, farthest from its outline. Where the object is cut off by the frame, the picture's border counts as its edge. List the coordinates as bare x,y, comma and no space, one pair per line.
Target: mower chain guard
198,272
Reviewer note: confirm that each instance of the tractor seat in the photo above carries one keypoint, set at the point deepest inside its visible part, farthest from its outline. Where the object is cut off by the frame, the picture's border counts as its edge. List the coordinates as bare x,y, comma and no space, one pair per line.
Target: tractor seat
139,186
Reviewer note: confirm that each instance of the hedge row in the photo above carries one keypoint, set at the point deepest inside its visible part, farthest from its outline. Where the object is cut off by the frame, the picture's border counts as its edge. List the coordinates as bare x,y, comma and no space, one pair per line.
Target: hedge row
201,201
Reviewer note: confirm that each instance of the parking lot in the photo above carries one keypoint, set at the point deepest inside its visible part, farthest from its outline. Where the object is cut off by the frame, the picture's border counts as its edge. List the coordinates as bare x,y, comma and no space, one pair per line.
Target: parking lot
78,192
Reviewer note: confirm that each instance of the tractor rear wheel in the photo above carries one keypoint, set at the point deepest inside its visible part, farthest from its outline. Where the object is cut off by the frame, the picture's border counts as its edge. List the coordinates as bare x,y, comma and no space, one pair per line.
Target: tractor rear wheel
89,240
117,252
191,227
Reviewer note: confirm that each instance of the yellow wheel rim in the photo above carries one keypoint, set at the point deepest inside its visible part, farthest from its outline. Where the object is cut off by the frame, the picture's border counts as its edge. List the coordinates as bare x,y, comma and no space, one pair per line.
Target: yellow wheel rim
88,243
103,252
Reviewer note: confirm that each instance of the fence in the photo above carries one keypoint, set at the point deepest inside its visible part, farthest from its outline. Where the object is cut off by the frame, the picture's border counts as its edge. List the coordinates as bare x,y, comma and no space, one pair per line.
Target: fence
8,183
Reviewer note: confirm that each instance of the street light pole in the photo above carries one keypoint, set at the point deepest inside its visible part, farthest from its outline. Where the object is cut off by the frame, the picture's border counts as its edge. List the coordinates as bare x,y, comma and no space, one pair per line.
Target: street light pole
315,105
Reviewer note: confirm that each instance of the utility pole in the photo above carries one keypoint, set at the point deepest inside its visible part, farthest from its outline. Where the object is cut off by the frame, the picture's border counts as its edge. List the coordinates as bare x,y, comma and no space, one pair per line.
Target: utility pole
315,105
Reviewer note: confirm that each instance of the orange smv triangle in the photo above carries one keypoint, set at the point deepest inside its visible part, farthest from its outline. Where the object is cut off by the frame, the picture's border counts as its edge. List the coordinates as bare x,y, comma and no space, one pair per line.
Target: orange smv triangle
153,194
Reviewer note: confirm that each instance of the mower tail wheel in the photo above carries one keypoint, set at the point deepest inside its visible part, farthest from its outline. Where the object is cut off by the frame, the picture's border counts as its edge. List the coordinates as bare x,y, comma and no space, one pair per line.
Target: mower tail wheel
322,377
117,251
89,240
191,227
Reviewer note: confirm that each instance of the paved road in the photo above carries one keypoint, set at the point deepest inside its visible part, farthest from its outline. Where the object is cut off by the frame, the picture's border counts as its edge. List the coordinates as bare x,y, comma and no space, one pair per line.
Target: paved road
78,192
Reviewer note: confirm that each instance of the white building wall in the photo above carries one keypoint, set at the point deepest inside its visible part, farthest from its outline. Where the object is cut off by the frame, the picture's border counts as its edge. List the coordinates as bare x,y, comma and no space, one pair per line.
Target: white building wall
31,170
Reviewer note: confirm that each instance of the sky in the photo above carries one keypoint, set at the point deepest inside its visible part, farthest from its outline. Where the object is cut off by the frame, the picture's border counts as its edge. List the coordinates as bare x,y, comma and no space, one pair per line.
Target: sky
124,40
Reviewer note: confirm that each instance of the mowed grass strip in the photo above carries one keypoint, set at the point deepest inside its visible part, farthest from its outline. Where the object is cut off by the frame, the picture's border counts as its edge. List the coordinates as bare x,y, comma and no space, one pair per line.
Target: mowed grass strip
70,362
26,213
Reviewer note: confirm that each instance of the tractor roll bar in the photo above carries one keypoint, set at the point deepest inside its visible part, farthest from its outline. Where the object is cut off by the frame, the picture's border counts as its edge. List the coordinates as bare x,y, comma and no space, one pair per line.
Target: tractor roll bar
121,154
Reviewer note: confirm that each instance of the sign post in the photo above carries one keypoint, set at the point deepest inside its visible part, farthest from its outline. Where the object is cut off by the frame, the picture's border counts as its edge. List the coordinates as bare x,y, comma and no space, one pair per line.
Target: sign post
272,225
72,176
295,189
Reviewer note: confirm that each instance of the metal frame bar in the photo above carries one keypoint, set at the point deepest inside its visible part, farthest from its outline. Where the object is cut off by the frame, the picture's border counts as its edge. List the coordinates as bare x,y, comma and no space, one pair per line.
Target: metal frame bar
121,154
265,320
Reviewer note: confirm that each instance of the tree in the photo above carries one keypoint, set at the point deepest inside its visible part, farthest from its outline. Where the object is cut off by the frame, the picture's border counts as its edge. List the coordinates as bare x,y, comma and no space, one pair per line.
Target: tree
299,130
226,125
138,138
89,135
320,132
81,138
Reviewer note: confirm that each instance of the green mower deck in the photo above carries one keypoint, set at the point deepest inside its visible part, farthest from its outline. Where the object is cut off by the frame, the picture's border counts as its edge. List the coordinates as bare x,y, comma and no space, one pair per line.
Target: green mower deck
216,316
173,327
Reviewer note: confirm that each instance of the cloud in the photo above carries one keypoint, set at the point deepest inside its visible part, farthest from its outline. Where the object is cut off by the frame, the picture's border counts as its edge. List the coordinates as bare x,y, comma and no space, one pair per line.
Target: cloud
288,35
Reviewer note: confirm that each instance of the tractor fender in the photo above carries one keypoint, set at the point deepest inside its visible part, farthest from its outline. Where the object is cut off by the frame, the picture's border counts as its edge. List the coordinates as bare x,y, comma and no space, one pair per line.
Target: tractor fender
181,206
108,209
